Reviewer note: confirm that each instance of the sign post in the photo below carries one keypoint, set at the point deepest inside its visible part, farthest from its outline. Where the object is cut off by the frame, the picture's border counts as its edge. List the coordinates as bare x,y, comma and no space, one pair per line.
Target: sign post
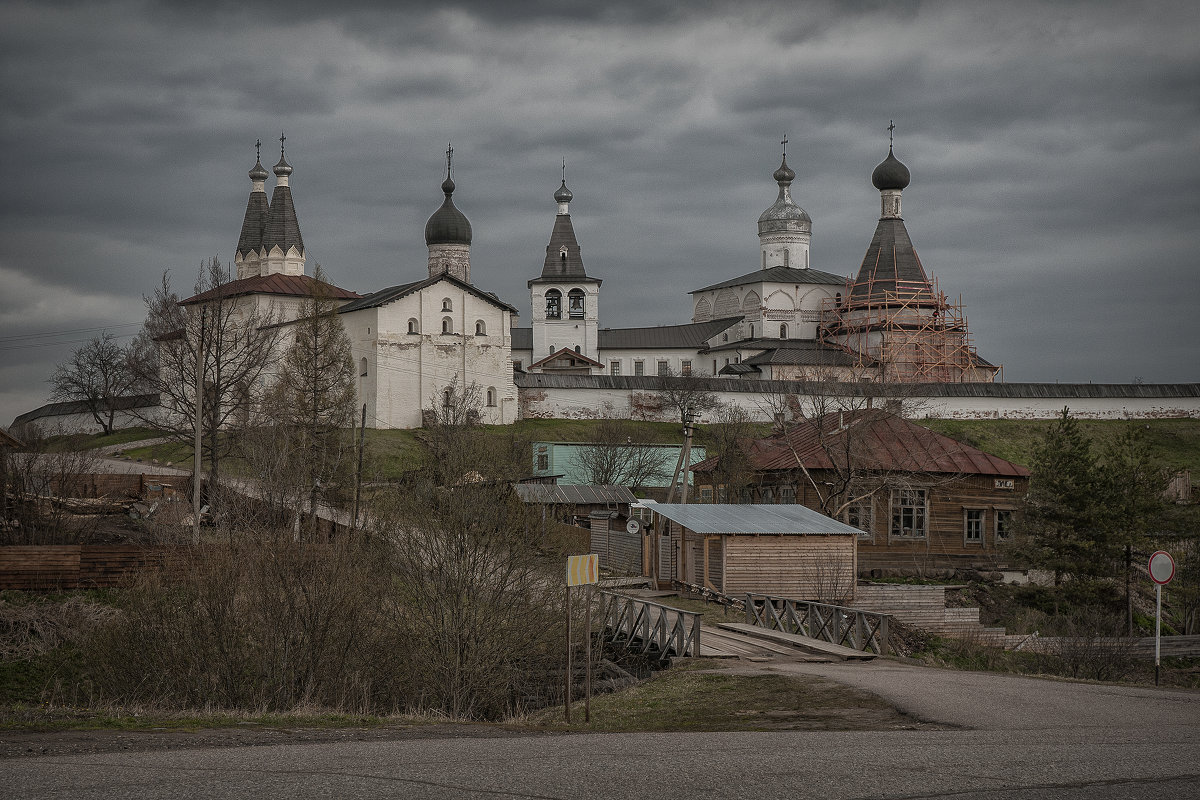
1162,570
581,571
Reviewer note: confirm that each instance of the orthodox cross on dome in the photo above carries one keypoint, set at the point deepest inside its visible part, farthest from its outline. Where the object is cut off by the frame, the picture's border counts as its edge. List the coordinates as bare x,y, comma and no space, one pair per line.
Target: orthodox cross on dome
564,169
891,127
784,142
257,150
449,157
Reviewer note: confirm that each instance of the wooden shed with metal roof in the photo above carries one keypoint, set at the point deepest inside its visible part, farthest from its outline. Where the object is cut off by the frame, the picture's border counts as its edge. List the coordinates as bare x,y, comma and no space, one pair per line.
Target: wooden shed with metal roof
780,550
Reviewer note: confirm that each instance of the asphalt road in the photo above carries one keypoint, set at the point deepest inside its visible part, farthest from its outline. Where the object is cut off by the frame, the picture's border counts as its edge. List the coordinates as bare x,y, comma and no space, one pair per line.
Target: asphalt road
1022,738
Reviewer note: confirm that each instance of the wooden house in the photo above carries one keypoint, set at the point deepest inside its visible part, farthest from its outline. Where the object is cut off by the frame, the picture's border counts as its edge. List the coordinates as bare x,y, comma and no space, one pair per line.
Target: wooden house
925,503
780,550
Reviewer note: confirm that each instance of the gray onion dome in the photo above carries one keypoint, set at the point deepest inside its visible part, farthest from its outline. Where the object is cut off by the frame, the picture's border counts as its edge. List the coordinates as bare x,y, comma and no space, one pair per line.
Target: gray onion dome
448,225
283,167
891,174
259,172
563,195
784,208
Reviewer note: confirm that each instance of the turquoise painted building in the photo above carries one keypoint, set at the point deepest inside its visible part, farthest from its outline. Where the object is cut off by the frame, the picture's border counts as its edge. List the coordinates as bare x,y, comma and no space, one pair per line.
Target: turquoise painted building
567,460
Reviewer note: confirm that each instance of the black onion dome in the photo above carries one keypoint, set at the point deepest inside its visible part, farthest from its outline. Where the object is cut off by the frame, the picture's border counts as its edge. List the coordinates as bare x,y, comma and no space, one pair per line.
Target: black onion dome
448,225
563,194
259,172
891,174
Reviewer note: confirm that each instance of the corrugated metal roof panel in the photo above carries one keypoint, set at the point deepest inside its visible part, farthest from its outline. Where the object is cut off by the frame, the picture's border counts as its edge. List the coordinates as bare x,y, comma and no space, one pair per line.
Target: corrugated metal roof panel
784,520
779,275
573,495
691,336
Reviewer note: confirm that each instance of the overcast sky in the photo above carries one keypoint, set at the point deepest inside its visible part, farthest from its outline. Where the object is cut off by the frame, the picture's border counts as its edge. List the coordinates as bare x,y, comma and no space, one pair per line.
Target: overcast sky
1054,151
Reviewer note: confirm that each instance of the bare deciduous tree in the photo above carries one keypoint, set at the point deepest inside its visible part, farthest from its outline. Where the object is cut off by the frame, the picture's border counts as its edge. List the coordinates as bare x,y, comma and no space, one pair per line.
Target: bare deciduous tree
685,392
237,340
613,458
96,375
726,438
312,399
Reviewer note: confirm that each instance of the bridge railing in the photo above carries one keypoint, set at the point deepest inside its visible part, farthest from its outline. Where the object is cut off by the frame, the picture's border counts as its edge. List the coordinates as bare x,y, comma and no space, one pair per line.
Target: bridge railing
849,627
647,627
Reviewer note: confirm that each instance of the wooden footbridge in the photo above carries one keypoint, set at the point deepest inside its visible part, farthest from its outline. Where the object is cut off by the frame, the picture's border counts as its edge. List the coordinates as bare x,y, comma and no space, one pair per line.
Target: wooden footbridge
775,629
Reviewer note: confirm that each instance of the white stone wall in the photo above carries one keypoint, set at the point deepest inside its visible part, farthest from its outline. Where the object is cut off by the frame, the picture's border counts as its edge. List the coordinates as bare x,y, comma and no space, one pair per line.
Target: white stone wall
563,403
766,306
407,372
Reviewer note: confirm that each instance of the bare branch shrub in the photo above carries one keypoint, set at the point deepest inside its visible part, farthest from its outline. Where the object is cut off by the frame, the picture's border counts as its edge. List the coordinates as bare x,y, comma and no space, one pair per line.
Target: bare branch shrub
613,458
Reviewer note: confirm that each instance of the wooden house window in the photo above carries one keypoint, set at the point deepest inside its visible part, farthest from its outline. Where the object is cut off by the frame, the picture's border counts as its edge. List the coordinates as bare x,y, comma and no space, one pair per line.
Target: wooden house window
543,462
706,494
1003,525
973,519
909,514
861,515
787,494
768,495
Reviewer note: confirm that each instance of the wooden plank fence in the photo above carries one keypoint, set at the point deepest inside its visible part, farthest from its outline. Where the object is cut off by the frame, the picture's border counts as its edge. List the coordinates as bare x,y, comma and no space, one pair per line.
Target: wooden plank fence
849,627
650,628
77,566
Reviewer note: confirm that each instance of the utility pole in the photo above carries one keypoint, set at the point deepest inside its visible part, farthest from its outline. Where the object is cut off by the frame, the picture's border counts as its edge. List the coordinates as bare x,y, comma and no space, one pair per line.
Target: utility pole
362,433
196,445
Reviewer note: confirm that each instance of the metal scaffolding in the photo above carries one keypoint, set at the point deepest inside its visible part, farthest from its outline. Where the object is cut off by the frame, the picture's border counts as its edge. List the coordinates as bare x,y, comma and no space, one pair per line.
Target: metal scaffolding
908,330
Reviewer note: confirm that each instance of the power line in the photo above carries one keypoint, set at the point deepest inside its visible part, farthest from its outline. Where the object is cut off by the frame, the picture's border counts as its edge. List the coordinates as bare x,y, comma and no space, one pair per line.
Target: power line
65,331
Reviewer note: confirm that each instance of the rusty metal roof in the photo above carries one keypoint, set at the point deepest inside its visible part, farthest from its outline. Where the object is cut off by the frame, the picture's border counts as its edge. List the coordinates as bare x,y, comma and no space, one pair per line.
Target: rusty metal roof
721,518
276,283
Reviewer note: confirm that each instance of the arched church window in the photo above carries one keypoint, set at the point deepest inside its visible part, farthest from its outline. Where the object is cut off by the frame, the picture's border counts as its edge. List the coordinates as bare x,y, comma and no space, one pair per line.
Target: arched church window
447,398
362,368
577,350
787,258
491,396
751,330
724,337
480,328
414,326
554,304
575,303
837,299
783,331
447,305
447,325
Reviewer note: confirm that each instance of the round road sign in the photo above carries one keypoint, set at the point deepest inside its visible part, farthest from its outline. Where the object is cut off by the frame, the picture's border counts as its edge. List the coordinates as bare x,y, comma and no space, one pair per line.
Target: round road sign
633,526
1162,567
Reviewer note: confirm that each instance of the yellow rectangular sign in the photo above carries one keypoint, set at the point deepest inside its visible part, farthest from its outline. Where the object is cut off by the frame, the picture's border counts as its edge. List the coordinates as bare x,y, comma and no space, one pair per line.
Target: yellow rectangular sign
582,570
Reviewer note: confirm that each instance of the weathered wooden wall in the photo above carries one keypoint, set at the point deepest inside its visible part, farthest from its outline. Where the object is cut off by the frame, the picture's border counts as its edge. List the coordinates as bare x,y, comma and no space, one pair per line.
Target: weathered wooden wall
87,566
801,567
619,551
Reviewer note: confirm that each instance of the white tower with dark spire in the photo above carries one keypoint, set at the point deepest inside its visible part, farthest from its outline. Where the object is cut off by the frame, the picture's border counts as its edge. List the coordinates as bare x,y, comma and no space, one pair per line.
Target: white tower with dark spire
282,245
784,229
448,234
564,299
248,256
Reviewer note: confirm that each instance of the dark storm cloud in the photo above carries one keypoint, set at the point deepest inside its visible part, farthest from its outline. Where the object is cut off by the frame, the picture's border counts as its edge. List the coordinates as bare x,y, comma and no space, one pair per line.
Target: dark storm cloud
1051,146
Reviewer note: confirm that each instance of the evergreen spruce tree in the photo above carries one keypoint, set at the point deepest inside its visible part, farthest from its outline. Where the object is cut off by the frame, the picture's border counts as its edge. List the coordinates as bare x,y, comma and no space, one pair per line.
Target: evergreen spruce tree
1061,521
